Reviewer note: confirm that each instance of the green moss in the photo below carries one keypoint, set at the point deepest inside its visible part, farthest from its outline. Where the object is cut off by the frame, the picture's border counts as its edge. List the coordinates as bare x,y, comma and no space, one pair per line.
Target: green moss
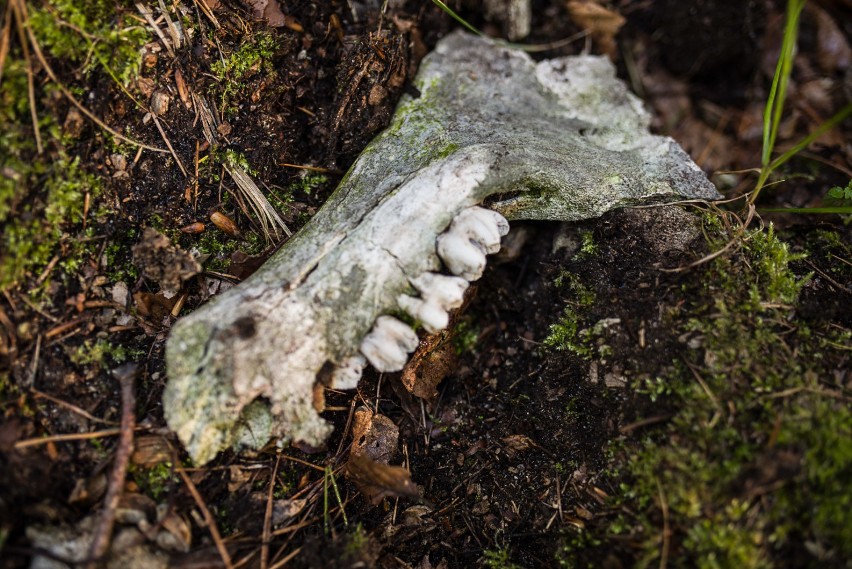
42,196
219,247
465,335
235,68
157,481
102,353
92,34
247,59
588,247
498,559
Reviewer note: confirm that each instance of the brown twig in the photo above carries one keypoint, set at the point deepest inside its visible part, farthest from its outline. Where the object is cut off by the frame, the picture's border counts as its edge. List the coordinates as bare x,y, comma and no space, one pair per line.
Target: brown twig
5,38
38,441
126,376
267,518
208,519
664,506
70,406
169,145
23,23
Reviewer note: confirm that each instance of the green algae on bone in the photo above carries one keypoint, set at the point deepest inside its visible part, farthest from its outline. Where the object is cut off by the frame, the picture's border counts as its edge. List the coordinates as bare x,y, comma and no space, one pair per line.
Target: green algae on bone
489,123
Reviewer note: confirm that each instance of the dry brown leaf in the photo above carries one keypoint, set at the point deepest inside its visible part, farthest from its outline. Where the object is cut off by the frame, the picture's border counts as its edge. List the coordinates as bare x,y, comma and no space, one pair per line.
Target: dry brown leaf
150,450
434,360
373,435
268,10
603,24
517,443
154,307
163,262
378,481
833,51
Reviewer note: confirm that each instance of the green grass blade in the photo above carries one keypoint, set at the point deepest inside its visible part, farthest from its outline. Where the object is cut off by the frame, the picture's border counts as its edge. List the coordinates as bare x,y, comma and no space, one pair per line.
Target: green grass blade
456,17
838,117
778,92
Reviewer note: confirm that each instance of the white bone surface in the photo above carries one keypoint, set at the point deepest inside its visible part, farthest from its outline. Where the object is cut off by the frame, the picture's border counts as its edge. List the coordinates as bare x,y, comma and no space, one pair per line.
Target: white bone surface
348,373
560,139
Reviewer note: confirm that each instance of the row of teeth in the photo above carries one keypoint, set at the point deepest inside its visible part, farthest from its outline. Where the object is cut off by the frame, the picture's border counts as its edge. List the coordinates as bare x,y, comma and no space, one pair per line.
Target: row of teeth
474,233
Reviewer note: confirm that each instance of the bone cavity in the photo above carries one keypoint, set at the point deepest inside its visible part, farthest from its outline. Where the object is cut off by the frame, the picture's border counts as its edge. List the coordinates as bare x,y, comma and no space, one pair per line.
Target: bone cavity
388,344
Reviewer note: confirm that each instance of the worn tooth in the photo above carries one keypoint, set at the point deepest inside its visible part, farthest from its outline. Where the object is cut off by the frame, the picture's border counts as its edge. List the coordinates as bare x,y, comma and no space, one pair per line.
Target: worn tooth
429,313
483,226
462,257
501,222
348,373
388,344
480,227
447,291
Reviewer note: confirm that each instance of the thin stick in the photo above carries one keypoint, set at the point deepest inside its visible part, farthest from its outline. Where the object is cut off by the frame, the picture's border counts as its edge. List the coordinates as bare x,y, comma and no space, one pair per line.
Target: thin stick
70,406
126,375
290,556
267,518
38,441
23,23
664,505
5,38
169,145
208,519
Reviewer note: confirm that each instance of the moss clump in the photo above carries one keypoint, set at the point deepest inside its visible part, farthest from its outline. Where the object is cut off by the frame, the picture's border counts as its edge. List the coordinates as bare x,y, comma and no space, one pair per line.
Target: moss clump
498,559
156,481
235,68
567,334
102,353
92,34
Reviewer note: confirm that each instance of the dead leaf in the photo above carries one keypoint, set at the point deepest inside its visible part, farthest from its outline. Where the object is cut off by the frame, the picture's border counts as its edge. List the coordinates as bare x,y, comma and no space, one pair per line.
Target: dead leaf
154,307
517,443
434,360
833,51
268,10
150,450
284,510
373,435
603,24
163,262
378,481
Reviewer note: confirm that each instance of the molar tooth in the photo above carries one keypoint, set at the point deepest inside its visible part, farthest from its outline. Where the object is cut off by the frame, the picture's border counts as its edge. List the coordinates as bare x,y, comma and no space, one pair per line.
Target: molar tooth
388,344
427,312
348,373
483,226
462,257
447,291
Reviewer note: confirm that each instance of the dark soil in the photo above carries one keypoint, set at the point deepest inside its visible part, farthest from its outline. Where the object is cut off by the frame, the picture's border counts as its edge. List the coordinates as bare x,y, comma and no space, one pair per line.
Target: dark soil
522,456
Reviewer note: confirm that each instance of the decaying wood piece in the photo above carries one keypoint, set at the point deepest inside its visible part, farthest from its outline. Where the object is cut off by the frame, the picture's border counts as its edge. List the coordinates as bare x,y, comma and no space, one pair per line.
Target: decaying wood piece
562,139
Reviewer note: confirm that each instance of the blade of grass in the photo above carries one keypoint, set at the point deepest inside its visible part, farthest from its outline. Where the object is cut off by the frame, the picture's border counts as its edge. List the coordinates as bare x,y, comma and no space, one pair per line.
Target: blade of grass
778,92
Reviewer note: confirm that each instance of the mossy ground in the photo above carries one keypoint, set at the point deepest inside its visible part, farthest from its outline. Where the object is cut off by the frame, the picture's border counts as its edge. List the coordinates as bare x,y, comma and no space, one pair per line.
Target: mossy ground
748,466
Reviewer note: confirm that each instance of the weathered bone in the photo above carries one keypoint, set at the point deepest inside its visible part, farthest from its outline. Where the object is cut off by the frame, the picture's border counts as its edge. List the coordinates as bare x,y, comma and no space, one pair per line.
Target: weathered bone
561,139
